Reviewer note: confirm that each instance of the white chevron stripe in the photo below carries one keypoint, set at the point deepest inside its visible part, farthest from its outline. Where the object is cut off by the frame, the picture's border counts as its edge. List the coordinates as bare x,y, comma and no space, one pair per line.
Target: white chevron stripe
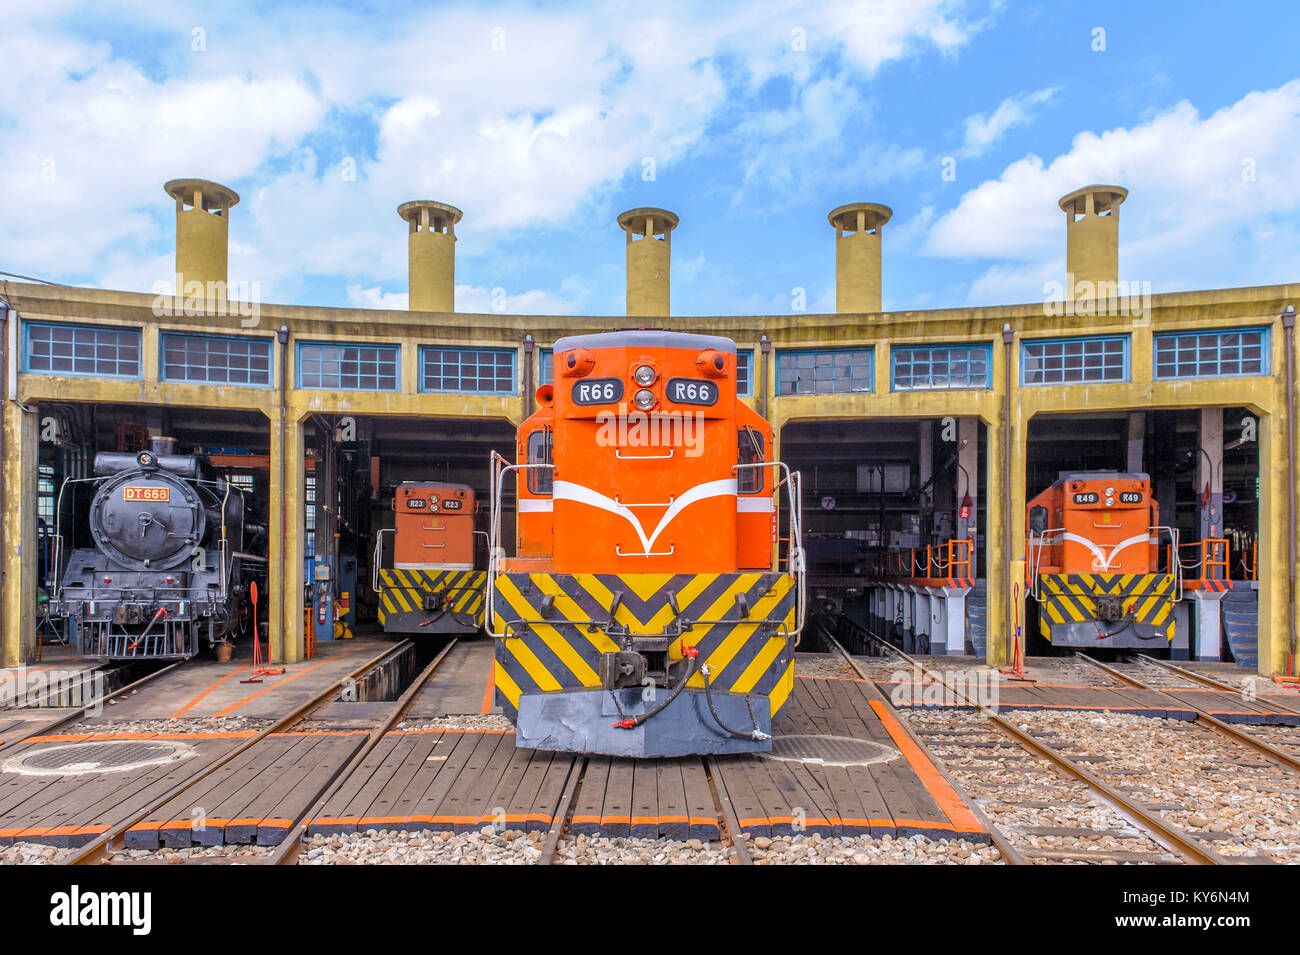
1096,551
568,491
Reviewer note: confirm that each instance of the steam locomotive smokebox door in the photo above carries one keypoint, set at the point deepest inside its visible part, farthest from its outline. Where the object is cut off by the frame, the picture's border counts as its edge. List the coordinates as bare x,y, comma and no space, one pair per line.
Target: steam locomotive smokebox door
435,525
148,520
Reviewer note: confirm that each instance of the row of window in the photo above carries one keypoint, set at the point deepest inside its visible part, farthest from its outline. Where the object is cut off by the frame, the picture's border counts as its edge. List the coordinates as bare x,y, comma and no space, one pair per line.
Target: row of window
115,352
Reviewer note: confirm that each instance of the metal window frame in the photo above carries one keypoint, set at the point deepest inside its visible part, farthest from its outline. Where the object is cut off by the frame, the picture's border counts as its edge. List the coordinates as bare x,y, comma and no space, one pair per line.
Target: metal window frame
1124,339
514,370
748,391
298,361
1265,343
783,353
76,326
545,358
986,347
165,334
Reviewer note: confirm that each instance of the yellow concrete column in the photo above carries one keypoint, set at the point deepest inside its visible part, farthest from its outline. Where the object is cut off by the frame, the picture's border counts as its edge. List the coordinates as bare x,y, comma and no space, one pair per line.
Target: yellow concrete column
18,511
1276,498
288,646
649,255
858,278
431,254
1092,240
202,235
1274,583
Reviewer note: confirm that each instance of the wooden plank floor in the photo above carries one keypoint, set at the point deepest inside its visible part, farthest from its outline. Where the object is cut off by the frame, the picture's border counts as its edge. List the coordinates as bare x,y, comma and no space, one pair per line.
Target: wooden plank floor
443,778
901,796
72,809
254,798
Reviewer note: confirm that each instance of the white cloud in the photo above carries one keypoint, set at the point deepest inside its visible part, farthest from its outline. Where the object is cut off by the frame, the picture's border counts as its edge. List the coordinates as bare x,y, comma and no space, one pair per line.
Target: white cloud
1206,195
983,131
526,128
473,298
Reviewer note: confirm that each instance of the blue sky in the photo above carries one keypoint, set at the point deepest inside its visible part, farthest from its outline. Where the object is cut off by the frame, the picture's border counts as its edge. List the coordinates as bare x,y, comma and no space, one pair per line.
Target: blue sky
541,120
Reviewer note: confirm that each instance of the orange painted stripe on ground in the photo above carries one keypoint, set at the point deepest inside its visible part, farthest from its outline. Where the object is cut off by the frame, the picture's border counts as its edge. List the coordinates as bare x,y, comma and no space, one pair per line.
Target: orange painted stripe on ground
321,733
48,666
188,706
949,802
491,686
289,679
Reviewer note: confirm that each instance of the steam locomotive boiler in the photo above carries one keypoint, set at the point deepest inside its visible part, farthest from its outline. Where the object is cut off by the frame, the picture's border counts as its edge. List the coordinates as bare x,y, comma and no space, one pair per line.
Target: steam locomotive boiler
168,564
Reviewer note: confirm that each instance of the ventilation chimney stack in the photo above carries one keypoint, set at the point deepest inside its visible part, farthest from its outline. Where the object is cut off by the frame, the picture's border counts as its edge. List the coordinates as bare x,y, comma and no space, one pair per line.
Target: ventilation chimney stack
1092,240
431,254
858,227
649,251
202,234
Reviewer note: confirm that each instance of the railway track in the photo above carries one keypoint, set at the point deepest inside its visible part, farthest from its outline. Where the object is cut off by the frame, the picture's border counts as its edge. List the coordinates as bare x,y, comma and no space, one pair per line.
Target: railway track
993,756
728,825
102,849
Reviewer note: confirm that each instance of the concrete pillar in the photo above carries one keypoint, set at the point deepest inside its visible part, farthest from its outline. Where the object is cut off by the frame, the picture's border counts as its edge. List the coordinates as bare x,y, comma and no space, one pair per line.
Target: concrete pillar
431,254
1208,606
649,255
858,250
287,643
1137,430
1092,240
925,471
1209,473
202,235
18,511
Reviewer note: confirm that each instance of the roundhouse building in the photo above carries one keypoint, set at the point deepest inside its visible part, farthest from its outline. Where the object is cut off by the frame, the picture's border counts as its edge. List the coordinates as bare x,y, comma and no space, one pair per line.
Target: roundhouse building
921,435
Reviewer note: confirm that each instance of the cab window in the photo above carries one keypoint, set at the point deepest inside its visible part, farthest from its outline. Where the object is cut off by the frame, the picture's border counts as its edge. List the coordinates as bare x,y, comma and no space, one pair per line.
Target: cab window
539,452
750,451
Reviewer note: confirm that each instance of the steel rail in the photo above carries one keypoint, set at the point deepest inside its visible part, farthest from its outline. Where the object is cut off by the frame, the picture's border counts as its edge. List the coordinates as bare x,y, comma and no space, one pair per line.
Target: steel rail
1204,718
1179,843
80,712
99,849
287,852
730,823
1010,854
568,799
1208,680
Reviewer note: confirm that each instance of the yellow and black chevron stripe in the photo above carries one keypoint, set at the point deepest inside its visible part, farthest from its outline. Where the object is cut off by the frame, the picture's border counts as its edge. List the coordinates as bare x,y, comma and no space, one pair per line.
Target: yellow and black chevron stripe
404,596
1072,598
756,656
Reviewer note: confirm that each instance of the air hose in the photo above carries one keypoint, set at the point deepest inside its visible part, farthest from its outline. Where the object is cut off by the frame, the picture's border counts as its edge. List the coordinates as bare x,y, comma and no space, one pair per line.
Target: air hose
631,722
755,733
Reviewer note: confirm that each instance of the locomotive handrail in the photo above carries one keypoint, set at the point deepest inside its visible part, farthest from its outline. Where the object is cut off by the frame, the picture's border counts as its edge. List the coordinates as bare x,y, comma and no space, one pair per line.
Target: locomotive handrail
638,457
374,564
498,467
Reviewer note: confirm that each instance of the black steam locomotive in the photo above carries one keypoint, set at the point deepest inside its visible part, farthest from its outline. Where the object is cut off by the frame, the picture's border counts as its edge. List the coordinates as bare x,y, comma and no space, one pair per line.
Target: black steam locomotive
170,562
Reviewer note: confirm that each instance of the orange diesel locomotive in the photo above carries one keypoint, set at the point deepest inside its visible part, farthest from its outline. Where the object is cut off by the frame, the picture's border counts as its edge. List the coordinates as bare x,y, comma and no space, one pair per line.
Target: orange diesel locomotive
651,607
1094,542
432,582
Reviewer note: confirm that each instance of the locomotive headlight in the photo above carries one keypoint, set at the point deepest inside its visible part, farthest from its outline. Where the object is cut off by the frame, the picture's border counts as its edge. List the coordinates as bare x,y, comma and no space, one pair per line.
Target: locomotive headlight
645,399
644,376
1110,492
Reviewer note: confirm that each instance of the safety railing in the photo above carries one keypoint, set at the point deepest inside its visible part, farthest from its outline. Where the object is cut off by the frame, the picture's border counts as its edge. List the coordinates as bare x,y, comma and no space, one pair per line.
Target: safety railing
1209,558
949,560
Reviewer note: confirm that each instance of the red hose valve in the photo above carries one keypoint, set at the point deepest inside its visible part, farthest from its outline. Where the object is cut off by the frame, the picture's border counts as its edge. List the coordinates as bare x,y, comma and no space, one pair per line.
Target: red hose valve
624,724
689,653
